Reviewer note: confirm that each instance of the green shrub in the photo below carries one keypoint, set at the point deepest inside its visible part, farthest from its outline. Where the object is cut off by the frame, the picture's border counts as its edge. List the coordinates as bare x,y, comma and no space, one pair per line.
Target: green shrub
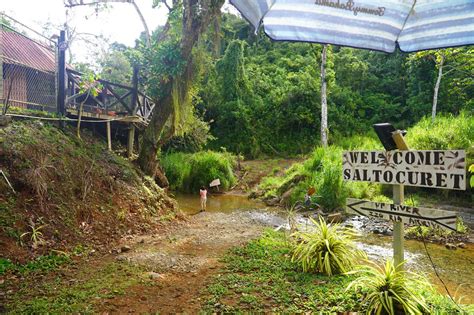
391,290
328,249
177,167
447,132
360,142
188,172
323,171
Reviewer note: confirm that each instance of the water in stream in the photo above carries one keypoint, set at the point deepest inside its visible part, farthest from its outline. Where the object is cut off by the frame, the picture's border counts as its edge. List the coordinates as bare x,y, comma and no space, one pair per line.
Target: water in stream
455,267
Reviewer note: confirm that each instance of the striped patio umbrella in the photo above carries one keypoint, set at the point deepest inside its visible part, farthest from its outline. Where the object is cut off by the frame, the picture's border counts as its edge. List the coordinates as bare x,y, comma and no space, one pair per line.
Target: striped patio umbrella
378,25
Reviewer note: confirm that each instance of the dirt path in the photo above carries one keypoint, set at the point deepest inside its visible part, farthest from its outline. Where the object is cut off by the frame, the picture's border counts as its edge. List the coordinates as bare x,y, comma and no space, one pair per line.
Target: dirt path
181,262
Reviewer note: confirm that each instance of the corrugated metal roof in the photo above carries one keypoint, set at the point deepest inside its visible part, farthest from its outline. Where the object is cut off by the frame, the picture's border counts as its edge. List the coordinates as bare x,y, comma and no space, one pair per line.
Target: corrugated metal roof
18,49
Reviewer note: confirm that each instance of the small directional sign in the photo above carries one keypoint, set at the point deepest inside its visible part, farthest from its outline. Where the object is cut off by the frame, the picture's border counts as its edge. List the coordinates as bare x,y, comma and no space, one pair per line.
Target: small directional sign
399,213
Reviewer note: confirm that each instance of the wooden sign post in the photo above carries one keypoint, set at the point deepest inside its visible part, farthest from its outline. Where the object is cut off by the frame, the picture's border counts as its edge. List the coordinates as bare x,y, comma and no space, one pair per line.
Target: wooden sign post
433,168
398,199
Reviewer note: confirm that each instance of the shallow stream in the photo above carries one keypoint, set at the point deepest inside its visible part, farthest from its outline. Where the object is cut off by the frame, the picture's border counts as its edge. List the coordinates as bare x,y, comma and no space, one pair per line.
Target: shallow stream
455,267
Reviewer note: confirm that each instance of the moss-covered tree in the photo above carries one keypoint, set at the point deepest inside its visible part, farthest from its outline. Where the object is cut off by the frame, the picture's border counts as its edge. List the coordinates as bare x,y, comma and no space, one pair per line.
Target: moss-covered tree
170,60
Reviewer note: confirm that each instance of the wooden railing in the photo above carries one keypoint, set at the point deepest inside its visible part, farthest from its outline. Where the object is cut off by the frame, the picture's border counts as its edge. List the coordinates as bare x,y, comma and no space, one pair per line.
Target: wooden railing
113,99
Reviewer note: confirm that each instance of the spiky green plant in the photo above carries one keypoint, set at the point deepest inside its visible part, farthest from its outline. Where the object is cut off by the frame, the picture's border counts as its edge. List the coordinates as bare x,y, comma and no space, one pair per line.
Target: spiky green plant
328,248
390,289
36,235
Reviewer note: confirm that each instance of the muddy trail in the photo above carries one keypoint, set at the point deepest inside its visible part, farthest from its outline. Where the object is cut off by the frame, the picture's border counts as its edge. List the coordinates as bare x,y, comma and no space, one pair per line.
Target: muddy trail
166,272
182,261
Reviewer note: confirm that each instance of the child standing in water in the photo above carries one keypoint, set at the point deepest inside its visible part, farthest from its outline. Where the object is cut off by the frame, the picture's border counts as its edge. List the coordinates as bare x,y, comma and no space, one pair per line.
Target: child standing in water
203,194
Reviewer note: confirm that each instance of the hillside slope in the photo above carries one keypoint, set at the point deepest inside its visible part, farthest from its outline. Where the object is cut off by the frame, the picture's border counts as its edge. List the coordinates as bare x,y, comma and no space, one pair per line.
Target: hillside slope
69,191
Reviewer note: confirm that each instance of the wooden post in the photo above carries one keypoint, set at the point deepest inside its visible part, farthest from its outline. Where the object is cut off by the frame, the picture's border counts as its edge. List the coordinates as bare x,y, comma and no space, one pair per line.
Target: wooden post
398,199
104,99
398,233
109,136
2,99
131,140
133,101
61,92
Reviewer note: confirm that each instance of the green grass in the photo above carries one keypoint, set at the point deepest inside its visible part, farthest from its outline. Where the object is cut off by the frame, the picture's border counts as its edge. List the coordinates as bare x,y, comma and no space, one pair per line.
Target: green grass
260,277
447,132
39,264
62,297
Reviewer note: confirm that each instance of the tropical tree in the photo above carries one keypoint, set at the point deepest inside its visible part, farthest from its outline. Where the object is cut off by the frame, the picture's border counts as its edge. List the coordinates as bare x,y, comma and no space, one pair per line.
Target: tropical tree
171,64
447,61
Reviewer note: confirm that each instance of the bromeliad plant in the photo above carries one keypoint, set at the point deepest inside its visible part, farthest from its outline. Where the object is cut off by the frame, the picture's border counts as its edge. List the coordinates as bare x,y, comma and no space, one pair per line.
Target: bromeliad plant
390,289
328,249
35,234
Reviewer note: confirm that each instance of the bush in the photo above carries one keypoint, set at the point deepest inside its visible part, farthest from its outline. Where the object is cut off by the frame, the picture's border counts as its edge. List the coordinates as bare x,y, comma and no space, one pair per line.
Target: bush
188,172
176,168
391,290
328,249
447,132
360,142
323,171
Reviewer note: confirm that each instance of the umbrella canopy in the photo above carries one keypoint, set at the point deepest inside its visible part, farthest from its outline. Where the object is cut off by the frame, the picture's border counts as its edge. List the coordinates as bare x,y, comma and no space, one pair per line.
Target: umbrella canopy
377,25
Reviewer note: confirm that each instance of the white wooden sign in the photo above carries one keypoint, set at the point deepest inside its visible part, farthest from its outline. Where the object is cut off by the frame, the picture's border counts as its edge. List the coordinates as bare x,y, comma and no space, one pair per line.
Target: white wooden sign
215,182
435,168
399,213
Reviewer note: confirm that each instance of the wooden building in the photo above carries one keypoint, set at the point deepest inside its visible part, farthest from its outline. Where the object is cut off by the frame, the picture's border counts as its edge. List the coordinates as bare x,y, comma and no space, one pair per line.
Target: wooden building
28,70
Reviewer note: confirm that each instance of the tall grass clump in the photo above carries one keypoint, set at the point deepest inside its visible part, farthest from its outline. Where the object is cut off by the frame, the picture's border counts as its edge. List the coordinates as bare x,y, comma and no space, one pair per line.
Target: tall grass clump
391,290
328,249
177,167
188,172
323,171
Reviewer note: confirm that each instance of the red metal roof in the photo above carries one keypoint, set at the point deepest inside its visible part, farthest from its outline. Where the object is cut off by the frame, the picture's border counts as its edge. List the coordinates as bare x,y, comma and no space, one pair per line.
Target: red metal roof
18,49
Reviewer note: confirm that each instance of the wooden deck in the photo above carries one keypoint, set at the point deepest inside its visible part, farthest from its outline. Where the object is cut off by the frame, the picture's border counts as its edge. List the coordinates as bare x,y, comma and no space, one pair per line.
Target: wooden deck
119,119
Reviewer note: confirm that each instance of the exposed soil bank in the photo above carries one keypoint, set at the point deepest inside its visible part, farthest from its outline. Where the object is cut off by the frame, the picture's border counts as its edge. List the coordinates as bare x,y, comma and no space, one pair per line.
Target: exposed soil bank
64,191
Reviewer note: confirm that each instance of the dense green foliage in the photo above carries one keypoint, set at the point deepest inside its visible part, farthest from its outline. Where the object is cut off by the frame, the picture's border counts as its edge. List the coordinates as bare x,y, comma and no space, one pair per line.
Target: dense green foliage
322,169
263,97
188,172
328,249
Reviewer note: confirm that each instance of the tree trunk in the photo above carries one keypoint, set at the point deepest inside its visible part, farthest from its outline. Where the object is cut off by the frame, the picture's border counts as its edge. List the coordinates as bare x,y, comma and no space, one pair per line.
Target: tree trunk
324,101
149,148
436,89
197,15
